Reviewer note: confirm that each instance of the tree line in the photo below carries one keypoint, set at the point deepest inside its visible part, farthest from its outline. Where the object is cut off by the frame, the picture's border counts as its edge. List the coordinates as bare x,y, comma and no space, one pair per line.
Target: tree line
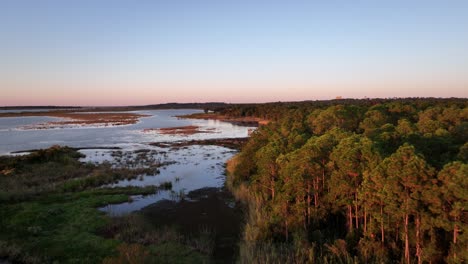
371,181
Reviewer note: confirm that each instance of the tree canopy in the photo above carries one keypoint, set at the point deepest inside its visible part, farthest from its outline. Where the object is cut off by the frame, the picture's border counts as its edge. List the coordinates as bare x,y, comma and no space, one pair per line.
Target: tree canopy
375,181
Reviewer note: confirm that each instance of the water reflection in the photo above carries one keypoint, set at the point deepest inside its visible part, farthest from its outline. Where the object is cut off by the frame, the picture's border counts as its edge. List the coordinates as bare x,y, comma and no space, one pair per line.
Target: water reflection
195,167
189,168
17,140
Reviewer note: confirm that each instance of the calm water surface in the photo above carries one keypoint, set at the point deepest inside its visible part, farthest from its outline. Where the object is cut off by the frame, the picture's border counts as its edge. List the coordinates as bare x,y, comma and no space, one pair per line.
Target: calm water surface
191,167
12,138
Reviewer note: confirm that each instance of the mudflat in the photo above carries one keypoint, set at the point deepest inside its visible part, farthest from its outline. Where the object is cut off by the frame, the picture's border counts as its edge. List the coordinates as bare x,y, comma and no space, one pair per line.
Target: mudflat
242,121
80,118
183,130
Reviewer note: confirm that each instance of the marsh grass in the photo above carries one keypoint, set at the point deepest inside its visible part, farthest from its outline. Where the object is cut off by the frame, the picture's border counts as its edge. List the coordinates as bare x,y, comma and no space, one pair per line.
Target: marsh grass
48,208
58,170
166,185
145,243
180,195
58,227
203,241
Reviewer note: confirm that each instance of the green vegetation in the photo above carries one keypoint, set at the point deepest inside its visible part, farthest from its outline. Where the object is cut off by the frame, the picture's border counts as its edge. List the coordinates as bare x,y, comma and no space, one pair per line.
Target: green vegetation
355,181
48,208
56,170
344,181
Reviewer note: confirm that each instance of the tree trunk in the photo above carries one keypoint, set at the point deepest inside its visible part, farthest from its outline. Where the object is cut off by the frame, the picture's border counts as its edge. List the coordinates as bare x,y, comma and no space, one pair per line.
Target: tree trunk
455,234
272,180
323,175
308,202
418,242
305,220
365,219
356,213
272,189
407,253
350,218
382,232
316,182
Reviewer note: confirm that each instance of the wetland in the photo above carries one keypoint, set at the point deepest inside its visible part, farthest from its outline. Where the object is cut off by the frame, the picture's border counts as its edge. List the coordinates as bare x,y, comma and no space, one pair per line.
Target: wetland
151,188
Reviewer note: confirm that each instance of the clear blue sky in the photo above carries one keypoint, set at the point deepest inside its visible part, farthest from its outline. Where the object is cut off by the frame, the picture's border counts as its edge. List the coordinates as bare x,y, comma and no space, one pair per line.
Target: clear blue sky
112,52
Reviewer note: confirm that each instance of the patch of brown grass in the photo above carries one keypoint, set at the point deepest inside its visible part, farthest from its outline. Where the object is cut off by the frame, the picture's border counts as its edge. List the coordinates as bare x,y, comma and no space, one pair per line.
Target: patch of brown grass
80,119
248,120
183,130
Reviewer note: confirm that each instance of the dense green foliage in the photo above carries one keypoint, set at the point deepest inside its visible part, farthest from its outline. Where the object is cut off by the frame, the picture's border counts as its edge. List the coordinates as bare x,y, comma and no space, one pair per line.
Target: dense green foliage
371,181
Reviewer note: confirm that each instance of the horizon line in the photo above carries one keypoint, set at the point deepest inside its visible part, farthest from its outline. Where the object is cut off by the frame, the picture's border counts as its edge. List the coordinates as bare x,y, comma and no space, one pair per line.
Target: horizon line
338,98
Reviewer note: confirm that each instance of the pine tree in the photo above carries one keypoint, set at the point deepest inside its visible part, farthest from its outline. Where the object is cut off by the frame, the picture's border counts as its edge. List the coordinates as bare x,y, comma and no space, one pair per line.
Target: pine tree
453,186
351,158
407,175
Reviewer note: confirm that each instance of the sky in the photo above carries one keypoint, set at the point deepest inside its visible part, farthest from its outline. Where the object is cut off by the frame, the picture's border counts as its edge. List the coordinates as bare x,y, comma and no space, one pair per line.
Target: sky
138,52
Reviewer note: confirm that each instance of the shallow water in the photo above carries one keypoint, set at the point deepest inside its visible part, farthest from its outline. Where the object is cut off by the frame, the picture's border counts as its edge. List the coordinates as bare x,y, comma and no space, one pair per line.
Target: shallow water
12,138
195,167
16,123
31,110
190,168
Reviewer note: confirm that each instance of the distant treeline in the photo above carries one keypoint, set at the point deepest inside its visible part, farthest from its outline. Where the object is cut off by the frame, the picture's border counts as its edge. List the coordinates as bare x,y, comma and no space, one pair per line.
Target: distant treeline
212,106
273,110
38,107
355,181
276,110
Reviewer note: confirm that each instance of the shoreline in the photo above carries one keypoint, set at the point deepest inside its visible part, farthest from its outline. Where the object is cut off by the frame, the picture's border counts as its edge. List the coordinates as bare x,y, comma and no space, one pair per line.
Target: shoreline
208,219
80,119
180,130
240,121
231,143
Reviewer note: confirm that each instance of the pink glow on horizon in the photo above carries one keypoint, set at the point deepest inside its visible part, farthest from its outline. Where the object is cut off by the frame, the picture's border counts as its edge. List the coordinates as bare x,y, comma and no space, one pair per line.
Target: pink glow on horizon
91,53
143,94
